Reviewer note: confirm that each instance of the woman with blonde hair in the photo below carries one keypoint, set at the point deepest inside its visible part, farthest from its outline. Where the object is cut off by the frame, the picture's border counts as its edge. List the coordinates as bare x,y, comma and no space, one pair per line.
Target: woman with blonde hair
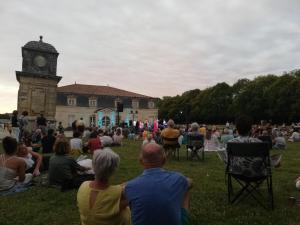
99,202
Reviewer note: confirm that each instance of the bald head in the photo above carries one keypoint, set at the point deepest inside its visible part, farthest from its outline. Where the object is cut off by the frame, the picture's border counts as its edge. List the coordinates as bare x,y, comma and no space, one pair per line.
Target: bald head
152,155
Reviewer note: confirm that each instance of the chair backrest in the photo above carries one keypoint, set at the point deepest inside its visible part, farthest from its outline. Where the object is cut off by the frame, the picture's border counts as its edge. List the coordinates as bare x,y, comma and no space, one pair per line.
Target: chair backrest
170,142
257,149
267,139
195,140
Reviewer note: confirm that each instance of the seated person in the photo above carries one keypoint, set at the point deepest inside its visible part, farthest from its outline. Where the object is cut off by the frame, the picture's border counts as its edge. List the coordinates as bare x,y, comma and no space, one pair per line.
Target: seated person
211,142
32,159
94,142
76,144
48,142
63,169
157,196
225,137
98,201
36,141
148,140
295,136
297,181
118,137
249,166
170,133
106,140
12,169
279,142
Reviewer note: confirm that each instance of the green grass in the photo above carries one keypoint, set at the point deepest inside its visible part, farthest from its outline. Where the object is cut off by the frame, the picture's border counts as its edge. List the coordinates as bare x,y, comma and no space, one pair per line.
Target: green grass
41,205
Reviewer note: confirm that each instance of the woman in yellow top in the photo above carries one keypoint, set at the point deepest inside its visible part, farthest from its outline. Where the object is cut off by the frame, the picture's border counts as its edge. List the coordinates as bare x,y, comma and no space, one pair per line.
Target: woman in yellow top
99,202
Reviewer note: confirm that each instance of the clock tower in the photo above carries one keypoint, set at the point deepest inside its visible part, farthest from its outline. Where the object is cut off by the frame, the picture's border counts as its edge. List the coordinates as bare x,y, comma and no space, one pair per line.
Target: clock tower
38,80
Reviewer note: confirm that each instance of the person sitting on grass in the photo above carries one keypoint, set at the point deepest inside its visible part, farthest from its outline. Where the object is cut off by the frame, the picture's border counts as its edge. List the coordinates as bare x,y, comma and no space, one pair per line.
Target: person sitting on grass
279,141
32,159
118,137
295,136
64,171
94,142
157,196
76,144
48,142
98,201
36,141
148,140
13,177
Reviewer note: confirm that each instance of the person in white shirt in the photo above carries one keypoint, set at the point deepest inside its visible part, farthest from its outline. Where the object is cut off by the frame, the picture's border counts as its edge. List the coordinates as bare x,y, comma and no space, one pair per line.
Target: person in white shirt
118,137
295,136
76,144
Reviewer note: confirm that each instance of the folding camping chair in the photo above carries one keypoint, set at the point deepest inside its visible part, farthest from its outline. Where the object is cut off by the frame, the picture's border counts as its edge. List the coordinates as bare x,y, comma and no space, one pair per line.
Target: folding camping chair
171,147
194,146
267,139
249,184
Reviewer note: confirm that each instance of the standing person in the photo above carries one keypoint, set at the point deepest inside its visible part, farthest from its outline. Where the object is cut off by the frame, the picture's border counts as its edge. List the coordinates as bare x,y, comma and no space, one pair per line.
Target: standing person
157,196
41,123
15,126
60,128
24,122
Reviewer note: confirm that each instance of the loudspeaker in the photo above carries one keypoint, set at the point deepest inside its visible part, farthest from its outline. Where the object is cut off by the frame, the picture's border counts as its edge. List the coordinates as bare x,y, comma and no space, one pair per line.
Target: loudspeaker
119,107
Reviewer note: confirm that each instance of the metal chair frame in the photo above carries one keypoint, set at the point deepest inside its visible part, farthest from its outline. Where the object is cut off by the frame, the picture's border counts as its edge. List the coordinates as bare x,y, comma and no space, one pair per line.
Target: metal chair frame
249,185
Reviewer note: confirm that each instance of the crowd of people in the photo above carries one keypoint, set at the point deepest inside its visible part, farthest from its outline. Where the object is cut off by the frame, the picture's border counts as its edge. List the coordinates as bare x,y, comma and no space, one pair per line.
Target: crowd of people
157,196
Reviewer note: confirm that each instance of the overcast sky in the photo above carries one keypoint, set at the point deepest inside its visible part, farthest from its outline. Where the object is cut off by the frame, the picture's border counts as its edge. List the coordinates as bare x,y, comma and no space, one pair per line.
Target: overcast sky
152,47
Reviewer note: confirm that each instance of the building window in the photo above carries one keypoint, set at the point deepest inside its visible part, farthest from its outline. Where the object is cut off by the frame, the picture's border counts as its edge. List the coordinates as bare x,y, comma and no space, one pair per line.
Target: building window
71,101
135,104
93,102
151,104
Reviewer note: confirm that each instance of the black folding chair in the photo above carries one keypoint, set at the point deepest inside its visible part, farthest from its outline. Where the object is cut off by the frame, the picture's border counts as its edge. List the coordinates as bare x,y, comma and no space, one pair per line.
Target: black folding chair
249,184
267,139
171,147
194,146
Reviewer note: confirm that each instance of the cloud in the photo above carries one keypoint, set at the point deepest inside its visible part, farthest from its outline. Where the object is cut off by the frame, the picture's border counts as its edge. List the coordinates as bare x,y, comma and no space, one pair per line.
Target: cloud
154,47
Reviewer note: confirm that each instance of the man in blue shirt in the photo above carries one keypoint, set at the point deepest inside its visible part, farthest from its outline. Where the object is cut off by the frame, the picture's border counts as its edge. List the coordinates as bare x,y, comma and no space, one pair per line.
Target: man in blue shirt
157,197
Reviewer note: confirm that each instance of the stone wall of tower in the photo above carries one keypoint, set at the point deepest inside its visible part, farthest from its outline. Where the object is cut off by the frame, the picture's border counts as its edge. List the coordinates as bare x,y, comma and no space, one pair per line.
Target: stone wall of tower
37,95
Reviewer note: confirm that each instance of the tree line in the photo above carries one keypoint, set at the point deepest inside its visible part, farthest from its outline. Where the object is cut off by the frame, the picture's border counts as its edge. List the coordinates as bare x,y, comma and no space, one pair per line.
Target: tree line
268,97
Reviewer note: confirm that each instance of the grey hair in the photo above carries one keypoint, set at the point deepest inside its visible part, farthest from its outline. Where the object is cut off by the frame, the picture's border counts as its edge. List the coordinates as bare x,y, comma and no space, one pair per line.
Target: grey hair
171,123
105,163
194,126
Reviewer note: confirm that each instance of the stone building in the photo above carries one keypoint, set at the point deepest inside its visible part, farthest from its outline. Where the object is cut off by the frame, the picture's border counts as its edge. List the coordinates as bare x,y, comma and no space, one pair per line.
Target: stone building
97,105
38,80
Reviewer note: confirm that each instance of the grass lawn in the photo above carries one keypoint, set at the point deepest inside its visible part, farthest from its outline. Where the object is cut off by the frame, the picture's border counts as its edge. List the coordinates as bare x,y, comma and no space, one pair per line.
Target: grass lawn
41,205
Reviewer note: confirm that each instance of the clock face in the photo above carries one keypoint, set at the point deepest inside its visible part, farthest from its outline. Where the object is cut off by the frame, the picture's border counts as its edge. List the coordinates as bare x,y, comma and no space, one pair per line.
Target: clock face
39,61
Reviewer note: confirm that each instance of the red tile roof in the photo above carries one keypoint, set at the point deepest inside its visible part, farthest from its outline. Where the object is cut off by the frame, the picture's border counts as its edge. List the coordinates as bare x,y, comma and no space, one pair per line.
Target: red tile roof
85,89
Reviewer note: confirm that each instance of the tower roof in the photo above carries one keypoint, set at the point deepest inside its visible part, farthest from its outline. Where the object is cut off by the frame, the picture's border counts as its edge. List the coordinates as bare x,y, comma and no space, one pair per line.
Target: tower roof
40,45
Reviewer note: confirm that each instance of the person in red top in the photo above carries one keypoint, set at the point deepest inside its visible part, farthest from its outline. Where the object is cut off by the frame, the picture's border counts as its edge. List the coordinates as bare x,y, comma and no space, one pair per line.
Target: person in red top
94,142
